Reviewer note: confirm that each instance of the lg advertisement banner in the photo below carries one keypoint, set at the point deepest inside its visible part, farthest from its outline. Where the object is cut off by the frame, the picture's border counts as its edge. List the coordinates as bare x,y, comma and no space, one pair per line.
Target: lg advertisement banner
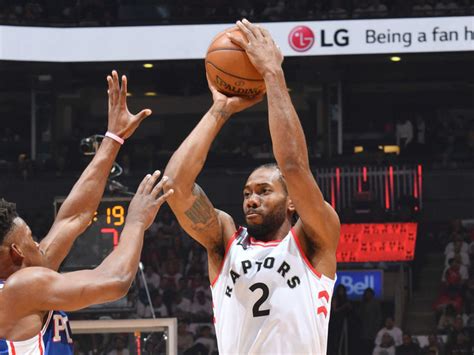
312,38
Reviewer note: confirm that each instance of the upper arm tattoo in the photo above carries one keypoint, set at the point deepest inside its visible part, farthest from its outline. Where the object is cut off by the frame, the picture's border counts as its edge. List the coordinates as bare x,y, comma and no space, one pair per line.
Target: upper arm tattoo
201,213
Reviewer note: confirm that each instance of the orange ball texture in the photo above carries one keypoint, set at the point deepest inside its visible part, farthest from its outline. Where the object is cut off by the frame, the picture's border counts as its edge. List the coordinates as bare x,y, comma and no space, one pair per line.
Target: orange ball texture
229,67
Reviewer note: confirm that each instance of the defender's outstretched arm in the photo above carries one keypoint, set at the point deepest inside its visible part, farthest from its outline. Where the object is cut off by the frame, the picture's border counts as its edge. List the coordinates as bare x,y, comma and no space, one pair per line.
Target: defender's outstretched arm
78,209
109,281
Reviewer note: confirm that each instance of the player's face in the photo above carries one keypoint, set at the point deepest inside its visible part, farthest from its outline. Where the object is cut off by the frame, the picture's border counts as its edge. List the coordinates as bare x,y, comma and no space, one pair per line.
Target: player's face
265,202
23,239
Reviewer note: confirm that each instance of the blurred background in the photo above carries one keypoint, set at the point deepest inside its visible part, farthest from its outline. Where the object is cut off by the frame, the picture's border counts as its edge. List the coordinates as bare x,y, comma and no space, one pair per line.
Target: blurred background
390,139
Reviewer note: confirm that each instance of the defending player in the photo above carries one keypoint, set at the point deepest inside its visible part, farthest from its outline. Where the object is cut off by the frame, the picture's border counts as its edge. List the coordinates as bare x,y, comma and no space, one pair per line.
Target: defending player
31,289
271,283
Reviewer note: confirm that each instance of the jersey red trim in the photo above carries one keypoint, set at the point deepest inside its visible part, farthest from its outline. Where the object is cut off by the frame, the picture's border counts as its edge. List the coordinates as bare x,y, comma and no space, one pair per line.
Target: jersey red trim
12,348
40,344
272,243
303,255
229,244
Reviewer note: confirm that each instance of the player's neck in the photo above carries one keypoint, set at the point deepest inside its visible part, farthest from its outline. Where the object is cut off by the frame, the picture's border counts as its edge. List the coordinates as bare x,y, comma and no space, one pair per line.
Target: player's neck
277,234
7,270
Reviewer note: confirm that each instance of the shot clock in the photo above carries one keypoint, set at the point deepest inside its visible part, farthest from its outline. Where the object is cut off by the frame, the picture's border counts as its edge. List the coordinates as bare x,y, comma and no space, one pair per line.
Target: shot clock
100,237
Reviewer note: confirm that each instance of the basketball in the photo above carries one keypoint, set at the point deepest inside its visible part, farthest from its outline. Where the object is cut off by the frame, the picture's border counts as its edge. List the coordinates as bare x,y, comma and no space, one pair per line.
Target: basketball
230,69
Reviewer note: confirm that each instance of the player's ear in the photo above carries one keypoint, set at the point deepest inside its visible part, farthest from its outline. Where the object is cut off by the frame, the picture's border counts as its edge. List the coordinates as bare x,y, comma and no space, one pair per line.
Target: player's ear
16,254
290,205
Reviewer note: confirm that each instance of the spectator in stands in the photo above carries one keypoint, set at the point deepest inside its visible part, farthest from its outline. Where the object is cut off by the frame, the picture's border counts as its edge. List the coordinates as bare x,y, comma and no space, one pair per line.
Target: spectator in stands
172,272
245,9
386,346
195,266
422,8
181,307
32,11
392,330
377,9
201,283
469,296
185,338
337,11
459,255
264,152
434,346
185,289
201,308
204,343
160,308
460,346
317,11
169,292
408,347
446,8
457,239
446,321
370,316
119,346
274,10
449,296
404,133
420,127
341,307
456,329
143,306
466,7
152,279
455,275
361,9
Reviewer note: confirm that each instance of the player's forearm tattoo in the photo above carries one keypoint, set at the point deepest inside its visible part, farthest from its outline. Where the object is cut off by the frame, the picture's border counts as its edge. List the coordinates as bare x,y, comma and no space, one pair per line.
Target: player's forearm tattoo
201,212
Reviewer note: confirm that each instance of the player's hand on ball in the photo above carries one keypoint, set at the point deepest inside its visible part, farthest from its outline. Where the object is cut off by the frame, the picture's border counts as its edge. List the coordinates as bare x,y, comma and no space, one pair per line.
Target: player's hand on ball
121,121
261,49
147,200
228,105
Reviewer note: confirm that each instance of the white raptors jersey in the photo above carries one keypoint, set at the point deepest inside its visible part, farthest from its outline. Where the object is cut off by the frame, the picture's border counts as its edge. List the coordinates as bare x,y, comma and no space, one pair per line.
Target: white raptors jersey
268,299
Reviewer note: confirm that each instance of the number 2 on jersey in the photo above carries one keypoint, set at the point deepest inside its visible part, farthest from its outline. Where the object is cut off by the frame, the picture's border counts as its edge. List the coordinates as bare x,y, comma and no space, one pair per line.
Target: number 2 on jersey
257,312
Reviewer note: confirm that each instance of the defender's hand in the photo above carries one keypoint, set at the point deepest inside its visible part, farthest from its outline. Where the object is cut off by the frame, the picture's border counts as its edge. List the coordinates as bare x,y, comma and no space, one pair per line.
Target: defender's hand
121,121
262,50
147,201
228,105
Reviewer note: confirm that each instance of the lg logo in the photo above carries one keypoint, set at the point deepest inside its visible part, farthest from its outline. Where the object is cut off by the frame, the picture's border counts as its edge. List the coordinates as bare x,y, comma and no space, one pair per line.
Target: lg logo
302,38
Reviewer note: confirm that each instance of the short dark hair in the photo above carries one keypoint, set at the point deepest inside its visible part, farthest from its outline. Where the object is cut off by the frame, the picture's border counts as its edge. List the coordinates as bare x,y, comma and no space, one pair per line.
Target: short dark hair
7,215
274,166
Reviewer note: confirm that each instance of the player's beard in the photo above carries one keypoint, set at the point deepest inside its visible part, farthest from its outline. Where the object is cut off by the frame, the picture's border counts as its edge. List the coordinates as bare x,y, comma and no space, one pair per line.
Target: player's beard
270,223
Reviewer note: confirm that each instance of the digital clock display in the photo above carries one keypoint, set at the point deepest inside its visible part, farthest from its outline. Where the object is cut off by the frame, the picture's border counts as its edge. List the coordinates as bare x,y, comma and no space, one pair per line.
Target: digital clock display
100,237
374,242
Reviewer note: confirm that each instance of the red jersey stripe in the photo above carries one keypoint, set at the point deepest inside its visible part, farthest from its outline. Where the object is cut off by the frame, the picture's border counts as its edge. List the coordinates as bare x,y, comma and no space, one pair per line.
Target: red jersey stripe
40,344
303,255
12,348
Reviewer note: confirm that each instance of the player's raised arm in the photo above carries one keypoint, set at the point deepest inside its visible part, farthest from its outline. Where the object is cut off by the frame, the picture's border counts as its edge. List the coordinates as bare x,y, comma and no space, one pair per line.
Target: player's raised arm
109,281
318,226
189,203
79,207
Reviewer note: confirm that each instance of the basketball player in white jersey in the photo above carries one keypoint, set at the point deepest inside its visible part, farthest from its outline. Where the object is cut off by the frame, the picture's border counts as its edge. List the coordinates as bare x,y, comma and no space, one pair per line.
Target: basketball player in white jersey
31,290
271,282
